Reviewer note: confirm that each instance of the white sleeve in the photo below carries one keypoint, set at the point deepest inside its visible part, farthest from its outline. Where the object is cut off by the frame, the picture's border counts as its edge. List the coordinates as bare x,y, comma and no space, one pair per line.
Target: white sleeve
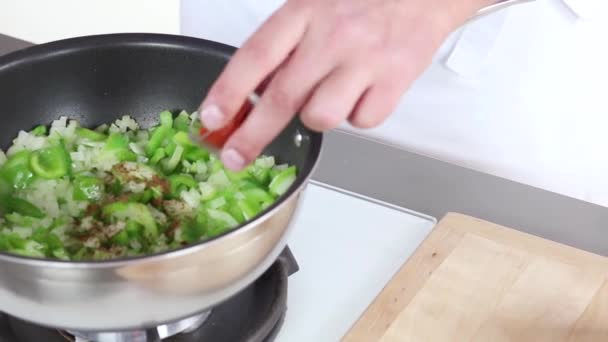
474,44
230,22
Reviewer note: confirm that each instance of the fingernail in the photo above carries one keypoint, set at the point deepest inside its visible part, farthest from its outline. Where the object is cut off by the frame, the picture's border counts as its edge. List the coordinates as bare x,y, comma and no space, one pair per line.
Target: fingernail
211,117
233,160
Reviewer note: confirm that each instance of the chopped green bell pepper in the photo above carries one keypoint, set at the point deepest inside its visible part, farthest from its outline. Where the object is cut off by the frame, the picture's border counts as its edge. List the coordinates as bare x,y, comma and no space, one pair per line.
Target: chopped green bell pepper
182,138
166,119
157,156
122,238
157,138
136,212
181,182
216,203
50,163
193,230
118,145
16,170
88,188
60,254
88,134
133,229
282,181
31,249
219,222
257,195
248,209
182,122
261,175
196,153
214,164
238,175
172,162
23,207
39,130
170,147
116,141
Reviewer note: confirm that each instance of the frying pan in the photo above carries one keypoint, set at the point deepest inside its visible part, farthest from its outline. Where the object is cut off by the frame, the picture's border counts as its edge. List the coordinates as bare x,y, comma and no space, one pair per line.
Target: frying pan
97,79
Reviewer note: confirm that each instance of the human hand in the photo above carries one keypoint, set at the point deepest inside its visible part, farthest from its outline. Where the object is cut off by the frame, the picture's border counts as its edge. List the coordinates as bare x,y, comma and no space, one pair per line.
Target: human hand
329,60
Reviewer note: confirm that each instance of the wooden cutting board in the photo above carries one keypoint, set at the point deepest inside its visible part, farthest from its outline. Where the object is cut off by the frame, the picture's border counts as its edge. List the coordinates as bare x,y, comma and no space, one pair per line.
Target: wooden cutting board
472,280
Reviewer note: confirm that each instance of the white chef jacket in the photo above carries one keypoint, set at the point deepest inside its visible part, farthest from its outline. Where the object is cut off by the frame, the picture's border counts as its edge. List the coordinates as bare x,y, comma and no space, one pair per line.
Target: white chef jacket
520,94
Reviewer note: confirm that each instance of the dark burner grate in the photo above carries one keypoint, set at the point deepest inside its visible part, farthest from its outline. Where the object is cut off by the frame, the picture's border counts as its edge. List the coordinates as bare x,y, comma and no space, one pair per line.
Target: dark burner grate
255,314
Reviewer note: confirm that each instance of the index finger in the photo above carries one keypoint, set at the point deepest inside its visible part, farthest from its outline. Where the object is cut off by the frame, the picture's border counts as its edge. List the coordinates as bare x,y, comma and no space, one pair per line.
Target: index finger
259,56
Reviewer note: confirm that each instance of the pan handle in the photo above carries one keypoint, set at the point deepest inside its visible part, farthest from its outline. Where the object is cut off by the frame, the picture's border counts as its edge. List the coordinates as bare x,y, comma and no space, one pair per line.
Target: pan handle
500,5
152,335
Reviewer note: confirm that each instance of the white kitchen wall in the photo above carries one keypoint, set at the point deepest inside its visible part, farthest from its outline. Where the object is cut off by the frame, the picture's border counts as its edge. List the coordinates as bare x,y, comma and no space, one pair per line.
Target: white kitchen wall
41,21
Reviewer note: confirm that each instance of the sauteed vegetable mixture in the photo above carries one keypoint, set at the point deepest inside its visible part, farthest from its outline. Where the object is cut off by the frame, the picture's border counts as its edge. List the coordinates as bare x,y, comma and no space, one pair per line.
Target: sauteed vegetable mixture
75,193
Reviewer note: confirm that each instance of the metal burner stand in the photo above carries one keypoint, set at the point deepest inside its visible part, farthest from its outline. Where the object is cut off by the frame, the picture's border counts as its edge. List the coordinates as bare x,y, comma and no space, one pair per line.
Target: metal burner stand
149,335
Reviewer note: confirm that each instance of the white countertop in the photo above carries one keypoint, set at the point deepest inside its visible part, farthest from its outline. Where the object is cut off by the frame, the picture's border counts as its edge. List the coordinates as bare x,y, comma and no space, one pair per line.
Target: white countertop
348,247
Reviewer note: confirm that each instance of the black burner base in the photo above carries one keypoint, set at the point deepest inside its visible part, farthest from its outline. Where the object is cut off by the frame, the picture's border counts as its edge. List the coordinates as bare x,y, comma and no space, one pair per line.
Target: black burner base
255,314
